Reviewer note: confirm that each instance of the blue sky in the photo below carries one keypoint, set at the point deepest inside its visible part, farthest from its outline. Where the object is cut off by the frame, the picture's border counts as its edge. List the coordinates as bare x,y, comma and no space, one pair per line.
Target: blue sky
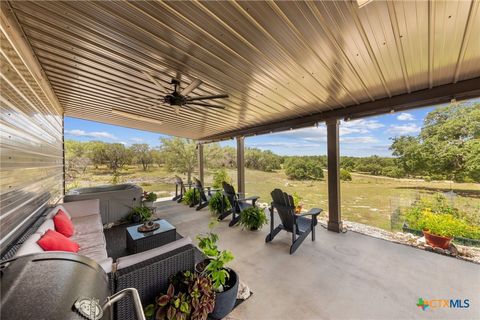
363,137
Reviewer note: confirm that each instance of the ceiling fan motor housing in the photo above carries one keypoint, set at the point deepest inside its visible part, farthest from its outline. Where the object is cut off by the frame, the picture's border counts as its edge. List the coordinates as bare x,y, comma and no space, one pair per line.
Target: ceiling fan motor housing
175,99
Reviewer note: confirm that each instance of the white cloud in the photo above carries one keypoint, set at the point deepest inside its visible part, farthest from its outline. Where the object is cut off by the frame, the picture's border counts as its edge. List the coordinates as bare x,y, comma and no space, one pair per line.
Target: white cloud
366,139
359,126
404,116
137,140
93,134
405,129
289,145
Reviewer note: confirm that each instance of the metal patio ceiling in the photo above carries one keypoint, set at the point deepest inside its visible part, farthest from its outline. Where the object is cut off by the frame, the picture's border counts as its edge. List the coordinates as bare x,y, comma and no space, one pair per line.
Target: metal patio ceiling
277,60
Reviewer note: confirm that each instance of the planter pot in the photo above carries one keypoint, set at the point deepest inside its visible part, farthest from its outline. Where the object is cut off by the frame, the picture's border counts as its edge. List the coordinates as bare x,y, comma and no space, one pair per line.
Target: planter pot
436,241
298,209
254,229
136,219
148,204
225,301
199,267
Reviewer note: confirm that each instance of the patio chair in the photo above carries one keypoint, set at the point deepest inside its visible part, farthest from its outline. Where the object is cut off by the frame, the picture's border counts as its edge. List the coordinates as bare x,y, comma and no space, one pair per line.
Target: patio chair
179,189
298,224
204,197
237,201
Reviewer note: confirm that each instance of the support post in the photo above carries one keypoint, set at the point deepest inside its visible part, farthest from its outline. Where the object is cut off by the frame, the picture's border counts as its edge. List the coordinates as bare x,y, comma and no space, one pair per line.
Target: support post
333,154
241,164
200,163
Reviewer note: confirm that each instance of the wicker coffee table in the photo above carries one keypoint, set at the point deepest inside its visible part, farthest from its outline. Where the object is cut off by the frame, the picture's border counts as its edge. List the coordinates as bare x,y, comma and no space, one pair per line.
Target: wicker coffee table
142,241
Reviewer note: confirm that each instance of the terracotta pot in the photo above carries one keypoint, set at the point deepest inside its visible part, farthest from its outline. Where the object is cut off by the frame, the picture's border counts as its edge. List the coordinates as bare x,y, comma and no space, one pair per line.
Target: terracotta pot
298,209
437,241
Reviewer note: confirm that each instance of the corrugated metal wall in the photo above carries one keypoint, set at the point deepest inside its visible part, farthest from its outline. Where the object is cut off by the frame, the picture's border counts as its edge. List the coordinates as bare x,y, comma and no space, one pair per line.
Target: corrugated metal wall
31,146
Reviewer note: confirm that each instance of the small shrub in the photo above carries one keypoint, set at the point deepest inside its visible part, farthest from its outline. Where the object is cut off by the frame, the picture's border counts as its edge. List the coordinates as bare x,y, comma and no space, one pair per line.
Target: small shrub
150,196
345,175
188,197
219,176
217,201
253,218
303,169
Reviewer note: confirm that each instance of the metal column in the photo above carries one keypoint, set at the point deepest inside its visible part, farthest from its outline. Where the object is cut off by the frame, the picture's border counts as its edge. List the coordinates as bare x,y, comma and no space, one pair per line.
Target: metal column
333,153
241,164
200,162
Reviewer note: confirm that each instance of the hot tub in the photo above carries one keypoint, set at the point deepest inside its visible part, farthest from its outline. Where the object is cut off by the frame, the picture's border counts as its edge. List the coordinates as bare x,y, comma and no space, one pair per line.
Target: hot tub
116,201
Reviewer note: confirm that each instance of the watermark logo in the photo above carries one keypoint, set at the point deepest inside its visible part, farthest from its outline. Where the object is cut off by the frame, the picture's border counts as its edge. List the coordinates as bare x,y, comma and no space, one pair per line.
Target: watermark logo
425,304
422,304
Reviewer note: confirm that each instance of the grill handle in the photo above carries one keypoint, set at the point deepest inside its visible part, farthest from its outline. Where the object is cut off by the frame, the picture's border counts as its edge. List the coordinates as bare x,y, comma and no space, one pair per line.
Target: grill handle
123,293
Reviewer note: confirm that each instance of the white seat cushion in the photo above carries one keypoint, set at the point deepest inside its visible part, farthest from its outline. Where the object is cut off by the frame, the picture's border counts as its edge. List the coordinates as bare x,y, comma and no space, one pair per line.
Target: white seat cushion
89,240
97,253
30,246
88,224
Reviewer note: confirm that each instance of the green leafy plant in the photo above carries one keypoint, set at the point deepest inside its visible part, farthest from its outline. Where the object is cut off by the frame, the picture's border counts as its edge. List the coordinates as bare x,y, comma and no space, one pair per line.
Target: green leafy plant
150,196
345,175
253,218
218,259
297,199
219,176
143,213
194,300
218,203
190,197
439,218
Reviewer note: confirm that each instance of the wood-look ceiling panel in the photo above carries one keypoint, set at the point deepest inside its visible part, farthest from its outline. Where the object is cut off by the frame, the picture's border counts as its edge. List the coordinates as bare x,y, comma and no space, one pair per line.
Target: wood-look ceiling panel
277,60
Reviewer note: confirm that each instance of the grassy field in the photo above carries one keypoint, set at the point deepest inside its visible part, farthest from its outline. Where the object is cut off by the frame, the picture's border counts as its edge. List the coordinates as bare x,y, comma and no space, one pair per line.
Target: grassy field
366,199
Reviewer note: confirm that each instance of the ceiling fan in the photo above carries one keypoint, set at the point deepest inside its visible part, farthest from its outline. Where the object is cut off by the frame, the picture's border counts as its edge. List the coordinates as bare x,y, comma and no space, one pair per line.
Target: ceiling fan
180,98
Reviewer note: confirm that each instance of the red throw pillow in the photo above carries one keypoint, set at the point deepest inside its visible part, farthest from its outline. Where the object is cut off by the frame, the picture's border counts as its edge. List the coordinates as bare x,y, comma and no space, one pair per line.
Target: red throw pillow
63,224
55,241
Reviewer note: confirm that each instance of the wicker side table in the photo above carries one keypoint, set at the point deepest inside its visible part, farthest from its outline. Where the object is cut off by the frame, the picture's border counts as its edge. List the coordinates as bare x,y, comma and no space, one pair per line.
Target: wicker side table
143,241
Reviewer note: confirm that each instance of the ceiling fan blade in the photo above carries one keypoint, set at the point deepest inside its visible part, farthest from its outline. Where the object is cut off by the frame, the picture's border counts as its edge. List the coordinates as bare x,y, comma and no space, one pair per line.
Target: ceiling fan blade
192,86
177,110
154,80
195,109
205,105
216,96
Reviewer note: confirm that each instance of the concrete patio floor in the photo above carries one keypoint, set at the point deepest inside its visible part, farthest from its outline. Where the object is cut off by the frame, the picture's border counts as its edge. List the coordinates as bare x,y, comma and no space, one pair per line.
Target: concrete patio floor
339,276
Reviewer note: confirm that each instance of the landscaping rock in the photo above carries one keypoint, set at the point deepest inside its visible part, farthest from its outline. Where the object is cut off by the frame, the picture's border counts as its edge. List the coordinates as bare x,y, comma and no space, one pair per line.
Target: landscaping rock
420,241
439,250
243,291
453,250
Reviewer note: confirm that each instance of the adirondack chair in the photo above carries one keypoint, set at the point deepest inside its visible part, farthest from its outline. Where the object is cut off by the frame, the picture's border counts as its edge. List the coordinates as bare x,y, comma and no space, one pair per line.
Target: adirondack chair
237,201
204,196
179,189
297,224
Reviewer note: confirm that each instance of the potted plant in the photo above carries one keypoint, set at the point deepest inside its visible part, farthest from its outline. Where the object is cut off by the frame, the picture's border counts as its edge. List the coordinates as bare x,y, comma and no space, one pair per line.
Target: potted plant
253,218
189,296
140,214
218,203
149,198
297,202
225,281
191,197
438,229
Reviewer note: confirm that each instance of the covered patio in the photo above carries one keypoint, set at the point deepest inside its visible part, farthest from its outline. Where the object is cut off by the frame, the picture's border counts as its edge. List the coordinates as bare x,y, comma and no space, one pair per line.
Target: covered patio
284,66
339,276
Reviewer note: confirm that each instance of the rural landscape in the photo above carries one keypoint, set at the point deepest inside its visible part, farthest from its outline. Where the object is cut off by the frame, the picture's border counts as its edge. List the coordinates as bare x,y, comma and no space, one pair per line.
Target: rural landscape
444,159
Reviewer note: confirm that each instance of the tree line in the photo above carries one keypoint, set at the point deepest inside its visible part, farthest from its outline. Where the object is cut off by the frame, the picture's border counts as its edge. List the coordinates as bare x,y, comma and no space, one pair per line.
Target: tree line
448,147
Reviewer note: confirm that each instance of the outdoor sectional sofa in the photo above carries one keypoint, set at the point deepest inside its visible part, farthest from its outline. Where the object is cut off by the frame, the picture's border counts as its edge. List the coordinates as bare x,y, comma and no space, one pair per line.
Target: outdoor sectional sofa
147,271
